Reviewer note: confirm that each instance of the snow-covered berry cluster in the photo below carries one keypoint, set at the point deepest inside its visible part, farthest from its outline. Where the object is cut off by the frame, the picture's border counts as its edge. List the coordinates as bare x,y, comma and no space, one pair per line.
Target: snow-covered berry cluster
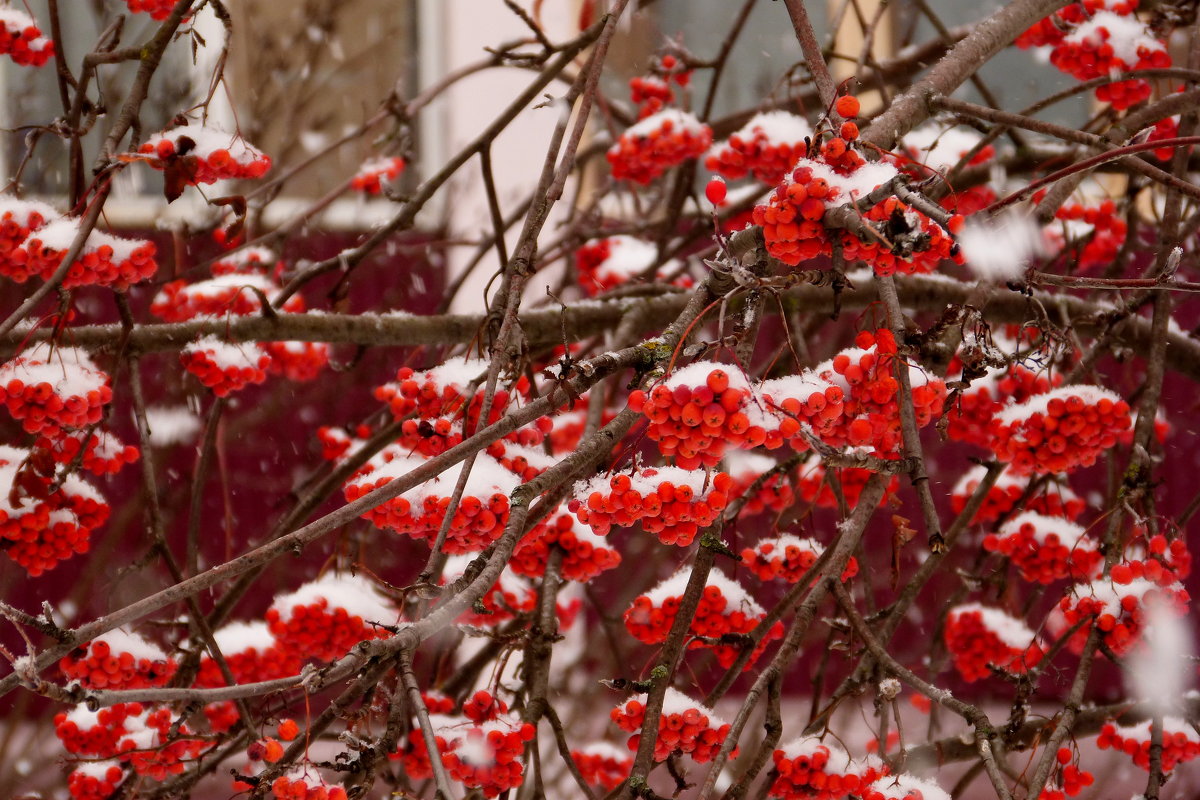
685,727
51,389
118,660
672,503
978,637
1045,549
41,525
236,293
84,732
793,217
371,175
585,553
603,764
19,219
871,411
250,650
814,488
224,366
1053,500
656,144
810,769
1156,559
95,780
305,784
22,40
607,263
1059,430
323,619
1181,743
481,514
209,154
767,147
904,787
970,419
788,557
104,260
157,744
652,93
1120,610
1111,43
726,612
441,391
509,596
103,454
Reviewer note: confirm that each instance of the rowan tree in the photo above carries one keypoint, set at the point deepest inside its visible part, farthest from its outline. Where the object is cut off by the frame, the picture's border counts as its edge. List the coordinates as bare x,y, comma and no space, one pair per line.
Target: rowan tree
776,430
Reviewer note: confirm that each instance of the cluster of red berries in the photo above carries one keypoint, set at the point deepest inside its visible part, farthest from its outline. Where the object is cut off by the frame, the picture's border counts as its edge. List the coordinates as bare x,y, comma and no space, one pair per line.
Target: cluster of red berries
249,261
792,218
524,462
236,293
304,785
488,756
1052,501
210,155
21,40
685,727
652,93
49,390
1120,610
223,366
602,764
1110,43
776,494
1045,549
971,416
814,488
441,391
585,553
871,416
250,650
809,769
325,618
788,557
118,660
1162,562
697,412
807,400
1165,128
672,503
656,144
105,260
18,219
1180,742
614,261
157,9
767,146
41,526
1098,231
298,361
371,175
158,745
104,453
903,787
725,613
978,637
85,732
478,521
1060,430
1072,779
95,780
